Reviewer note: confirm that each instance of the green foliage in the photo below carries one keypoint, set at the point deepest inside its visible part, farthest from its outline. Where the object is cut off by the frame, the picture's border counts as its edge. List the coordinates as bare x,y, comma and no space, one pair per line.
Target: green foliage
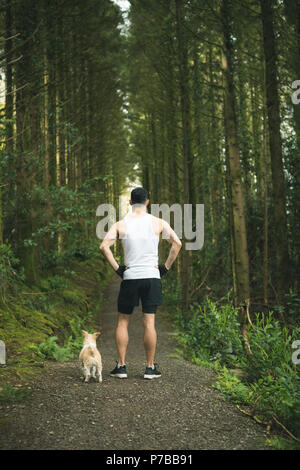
10,394
232,387
73,216
21,328
270,346
275,387
8,263
78,248
269,381
212,333
279,397
74,343
57,282
280,443
172,296
47,323
292,308
49,349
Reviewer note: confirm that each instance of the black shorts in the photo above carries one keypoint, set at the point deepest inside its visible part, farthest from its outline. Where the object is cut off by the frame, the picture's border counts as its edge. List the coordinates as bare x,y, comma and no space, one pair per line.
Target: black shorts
132,290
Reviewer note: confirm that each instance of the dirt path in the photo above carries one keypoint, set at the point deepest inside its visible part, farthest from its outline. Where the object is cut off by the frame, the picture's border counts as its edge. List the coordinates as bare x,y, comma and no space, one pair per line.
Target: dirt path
178,411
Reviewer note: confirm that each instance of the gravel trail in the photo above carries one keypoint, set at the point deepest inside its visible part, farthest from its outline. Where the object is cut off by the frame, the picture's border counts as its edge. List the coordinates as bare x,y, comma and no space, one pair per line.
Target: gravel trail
180,410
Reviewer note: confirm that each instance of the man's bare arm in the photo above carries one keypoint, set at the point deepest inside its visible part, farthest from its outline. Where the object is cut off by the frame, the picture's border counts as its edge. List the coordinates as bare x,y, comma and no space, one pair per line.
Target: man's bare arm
109,239
169,234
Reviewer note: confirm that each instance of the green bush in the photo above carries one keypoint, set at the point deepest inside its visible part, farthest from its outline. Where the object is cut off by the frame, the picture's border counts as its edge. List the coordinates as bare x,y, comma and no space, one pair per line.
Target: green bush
275,387
8,265
269,380
49,349
172,292
271,347
74,343
212,332
57,282
279,397
292,309
232,387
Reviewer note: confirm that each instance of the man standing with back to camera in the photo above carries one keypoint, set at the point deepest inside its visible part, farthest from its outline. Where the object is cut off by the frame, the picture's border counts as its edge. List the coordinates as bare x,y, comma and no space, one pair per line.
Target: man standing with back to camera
141,275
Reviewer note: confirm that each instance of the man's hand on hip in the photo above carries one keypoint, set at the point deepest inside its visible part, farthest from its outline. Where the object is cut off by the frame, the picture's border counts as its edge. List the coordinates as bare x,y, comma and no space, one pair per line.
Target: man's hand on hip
162,269
120,270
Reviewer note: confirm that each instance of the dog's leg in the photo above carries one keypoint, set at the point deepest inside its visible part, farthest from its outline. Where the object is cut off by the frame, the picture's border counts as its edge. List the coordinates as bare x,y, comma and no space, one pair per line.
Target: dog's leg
94,369
86,372
100,375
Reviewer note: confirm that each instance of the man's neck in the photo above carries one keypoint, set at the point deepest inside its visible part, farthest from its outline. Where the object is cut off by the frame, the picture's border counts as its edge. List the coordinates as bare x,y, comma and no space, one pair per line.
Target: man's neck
139,211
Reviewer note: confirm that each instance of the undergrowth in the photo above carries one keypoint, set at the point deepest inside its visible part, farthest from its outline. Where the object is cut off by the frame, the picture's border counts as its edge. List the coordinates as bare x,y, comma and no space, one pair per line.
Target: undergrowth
45,321
10,394
267,381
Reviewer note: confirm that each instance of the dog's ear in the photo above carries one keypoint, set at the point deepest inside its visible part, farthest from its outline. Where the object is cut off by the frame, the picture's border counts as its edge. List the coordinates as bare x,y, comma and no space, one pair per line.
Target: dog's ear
96,334
85,333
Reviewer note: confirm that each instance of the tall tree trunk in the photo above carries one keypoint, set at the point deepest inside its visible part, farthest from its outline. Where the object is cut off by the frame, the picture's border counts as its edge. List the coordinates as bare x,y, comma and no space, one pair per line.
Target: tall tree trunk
273,109
198,128
186,134
1,215
296,61
155,189
9,99
9,105
215,171
172,126
239,223
47,154
230,222
292,8
266,211
26,109
9,124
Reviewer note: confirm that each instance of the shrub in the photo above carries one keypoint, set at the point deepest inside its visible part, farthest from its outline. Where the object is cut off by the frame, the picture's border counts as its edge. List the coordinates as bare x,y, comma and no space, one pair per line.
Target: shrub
232,387
57,282
269,380
279,397
8,271
292,310
271,347
212,332
275,389
49,349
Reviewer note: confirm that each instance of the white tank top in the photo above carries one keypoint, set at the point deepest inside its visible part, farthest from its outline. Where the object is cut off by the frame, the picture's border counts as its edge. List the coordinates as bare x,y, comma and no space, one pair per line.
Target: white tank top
140,244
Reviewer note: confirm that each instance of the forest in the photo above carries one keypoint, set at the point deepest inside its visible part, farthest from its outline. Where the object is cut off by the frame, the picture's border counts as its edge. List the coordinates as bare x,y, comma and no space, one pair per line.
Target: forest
198,101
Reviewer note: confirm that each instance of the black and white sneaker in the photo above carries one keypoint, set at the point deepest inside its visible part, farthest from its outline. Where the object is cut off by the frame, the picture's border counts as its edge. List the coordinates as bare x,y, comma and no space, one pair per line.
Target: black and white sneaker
119,371
151,373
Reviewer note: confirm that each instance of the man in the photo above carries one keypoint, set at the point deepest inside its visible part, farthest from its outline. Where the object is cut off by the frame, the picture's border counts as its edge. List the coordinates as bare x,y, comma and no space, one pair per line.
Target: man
141,274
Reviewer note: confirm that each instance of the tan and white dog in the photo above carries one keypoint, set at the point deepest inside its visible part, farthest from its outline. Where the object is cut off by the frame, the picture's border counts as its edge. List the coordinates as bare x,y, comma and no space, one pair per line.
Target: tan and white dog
90,357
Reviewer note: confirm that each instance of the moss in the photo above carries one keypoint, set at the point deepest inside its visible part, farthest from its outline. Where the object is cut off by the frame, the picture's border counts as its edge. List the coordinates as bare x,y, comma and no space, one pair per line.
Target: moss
74,296
44,285
31,319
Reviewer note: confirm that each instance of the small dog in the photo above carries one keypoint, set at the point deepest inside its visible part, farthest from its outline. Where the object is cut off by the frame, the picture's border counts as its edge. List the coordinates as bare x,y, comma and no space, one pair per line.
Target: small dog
90,357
